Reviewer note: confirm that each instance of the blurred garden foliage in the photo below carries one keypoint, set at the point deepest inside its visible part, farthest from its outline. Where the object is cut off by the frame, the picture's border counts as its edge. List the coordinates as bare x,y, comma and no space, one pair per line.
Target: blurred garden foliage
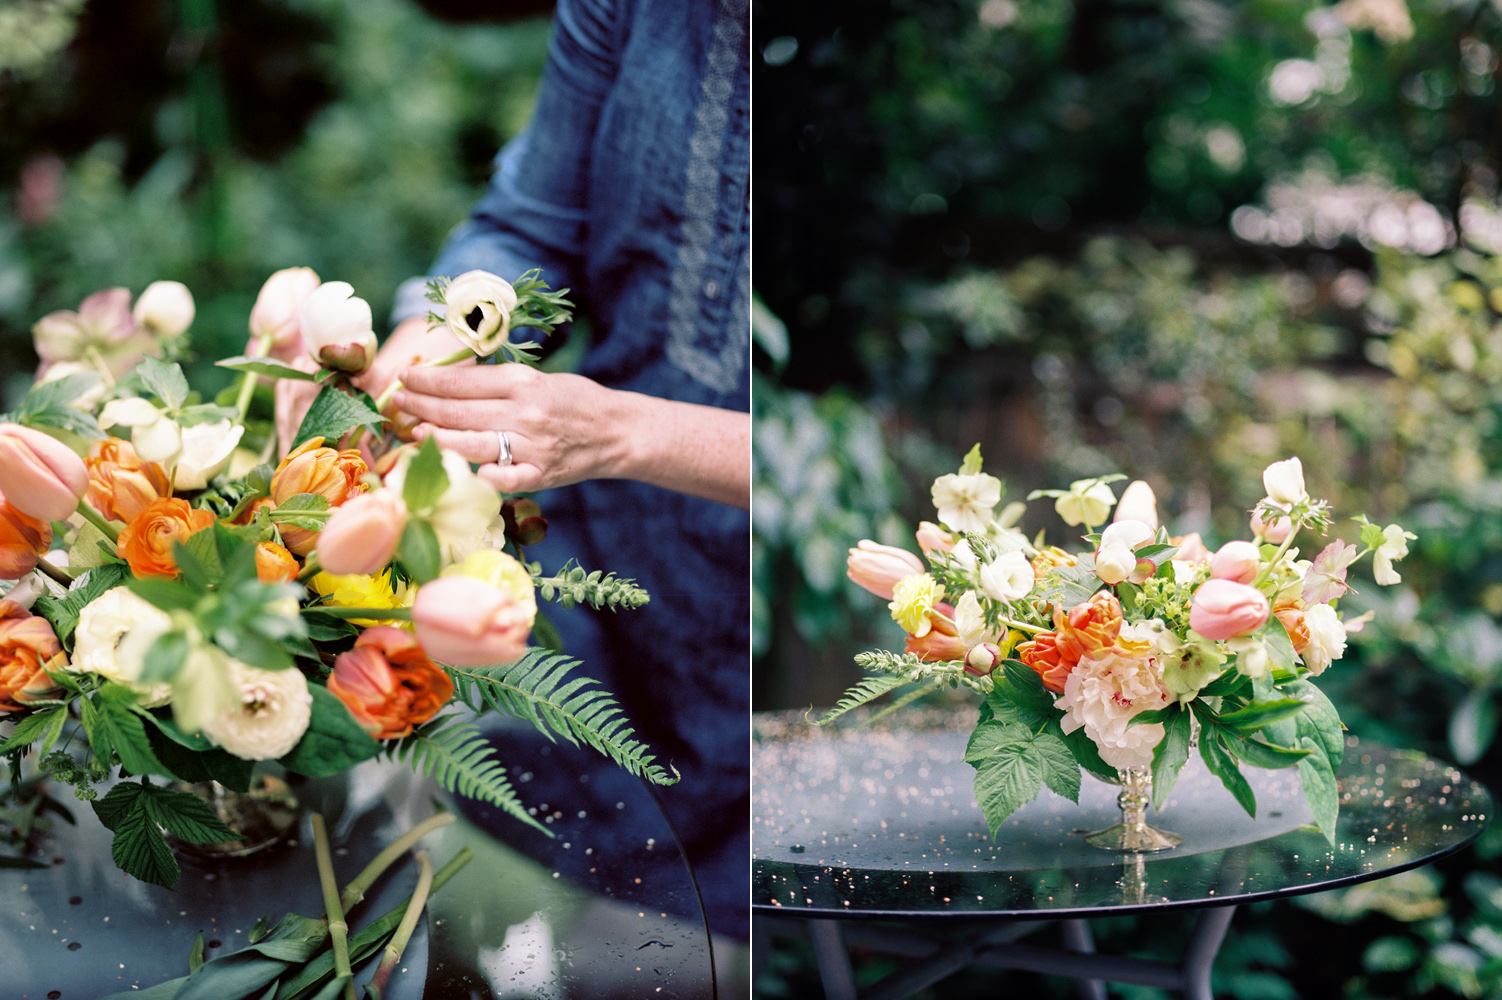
1178,240
213,142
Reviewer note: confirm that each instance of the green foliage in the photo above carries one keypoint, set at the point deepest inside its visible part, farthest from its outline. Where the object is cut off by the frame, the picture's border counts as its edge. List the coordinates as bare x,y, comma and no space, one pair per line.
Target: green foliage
335,412
455,754
538,687
138,813
572,585
334,741
863,693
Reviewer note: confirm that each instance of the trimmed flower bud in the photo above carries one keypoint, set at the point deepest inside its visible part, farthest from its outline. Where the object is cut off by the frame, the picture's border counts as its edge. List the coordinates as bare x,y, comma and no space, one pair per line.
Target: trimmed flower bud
1223,609
39,474
877,568
524,522
165,309
982,659
1238,561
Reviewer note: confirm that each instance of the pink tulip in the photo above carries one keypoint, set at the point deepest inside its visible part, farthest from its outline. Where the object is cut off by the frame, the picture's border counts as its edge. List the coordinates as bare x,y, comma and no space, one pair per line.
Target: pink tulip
1238,561
878,567
1275,533
39,474
1192,549
275,313
931,537
362,534
1224,609
466,622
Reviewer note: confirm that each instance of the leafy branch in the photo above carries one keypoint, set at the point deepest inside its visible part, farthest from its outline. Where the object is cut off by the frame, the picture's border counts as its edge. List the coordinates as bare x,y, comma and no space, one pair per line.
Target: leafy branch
572,585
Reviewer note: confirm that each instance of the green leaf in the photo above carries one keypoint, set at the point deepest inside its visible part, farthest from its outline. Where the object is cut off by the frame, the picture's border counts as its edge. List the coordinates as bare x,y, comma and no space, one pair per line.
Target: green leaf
327,628
253,647
1061,772
540,688
138,847
288,510
1088,754
334,741
335,413
419,551
63,612
1319,721
245,974
186,816
165,658
864,692
1372,536
126,731
1223,766
195,954
1277,642
269,367
1227,683
1260,713
1020,684
1171,754
33,727
1066,586
163,380
1008,774
1261,753
972,463
546,634
426,479
169,595
1320,789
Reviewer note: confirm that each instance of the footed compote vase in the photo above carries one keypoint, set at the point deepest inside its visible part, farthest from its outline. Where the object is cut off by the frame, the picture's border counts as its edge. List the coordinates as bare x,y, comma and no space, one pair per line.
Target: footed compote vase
264,816
1133,834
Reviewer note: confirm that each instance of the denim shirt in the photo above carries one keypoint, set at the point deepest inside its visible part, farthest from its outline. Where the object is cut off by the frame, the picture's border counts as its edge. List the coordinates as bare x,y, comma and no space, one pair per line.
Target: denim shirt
631,188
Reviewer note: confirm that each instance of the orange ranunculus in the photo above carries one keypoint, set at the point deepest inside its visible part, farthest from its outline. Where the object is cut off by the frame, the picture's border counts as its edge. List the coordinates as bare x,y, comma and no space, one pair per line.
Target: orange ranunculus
1042,653
1292,617
23,540
28,649
274,564
146,542
312,468
120,483
388,683
1088,627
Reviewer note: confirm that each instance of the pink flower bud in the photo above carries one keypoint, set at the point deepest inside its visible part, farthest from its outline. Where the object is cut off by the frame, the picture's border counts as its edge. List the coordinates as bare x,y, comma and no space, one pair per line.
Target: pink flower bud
931,537
1276,533
1238,561
463,621
275,313
878,567
39,474
1192,549
982,659
362,534
1224,609
337,326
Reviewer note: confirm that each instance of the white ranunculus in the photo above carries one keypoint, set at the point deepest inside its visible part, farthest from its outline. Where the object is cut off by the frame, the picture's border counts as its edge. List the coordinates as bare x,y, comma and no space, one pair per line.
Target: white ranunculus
156,437
165,308
1284,482
1103,694
100,640
1394,547
965,502
206,451
463,514
1009,578
1087,502
477,309
1327,638
267,717
337,327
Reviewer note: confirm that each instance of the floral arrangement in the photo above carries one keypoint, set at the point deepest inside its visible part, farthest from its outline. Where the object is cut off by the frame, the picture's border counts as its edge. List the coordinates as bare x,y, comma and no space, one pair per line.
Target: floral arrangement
1127,656
192,593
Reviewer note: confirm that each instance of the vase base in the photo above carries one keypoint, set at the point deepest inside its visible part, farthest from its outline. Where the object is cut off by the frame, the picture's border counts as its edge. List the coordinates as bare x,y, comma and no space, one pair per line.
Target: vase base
1134,838
264,817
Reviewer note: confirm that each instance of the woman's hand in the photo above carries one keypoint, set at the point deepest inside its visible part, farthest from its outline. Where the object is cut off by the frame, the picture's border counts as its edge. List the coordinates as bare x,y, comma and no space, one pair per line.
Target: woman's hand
565,428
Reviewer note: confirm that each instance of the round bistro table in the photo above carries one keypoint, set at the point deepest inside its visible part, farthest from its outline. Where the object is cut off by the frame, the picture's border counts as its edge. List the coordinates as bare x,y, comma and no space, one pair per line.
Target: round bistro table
855,825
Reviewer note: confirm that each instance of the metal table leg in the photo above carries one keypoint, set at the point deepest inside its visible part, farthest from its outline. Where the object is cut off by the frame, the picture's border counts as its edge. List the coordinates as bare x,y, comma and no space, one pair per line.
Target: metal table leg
1204,944
834,960
1077,938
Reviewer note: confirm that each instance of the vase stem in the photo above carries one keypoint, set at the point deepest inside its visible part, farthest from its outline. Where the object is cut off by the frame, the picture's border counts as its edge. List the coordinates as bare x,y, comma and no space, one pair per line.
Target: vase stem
1133,834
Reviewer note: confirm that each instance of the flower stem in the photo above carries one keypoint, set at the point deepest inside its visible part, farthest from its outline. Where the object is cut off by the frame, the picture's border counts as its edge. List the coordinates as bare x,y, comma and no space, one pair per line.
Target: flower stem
56,574
1023,626
355,891
97,520
248,379
97,360
379,614
310,569
1278,555
384,399
398,942
338,929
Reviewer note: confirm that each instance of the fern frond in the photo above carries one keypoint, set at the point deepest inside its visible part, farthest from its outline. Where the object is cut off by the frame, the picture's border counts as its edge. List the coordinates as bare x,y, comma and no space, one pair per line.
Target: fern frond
457,756
866,691
908,697
538,688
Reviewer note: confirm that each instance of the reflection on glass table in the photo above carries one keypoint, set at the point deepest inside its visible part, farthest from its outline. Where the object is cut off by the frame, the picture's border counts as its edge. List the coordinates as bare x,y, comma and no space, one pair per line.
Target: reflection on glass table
505,927
880,823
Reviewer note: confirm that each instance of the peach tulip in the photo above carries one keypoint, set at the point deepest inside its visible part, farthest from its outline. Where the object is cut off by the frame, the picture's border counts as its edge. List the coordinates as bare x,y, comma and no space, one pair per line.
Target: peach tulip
388,683
940,642
468,622
1224,609
312,468
1238,561
23,540
274,564
28,649
120,483
1191,548
39,474
877,567
362,535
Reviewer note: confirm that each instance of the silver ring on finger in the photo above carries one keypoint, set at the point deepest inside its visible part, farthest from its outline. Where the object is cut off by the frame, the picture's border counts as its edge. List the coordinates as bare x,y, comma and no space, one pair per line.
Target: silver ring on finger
503,445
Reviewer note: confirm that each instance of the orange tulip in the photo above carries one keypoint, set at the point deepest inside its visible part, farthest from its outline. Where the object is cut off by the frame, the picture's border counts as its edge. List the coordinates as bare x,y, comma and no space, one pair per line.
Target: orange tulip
312,468
1089,627
274,564
23,540
388,683
1042,653
120,483
28,649
146,542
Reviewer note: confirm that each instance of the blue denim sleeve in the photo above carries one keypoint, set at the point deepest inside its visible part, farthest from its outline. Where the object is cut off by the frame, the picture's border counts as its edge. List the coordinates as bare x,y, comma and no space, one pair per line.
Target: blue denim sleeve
534,212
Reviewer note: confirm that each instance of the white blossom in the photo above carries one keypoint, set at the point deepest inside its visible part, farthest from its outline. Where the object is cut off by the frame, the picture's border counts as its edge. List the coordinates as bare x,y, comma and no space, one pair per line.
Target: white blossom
103,625
267,717
964,502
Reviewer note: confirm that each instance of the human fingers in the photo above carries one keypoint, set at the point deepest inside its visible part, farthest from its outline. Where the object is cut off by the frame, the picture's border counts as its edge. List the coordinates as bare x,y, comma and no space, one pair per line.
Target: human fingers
454,414
477,382
477,446
520,478
293,398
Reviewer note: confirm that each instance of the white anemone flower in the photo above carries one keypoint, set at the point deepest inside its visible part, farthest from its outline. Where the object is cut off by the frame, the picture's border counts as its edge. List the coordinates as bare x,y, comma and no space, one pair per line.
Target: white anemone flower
1009,578
206,451
1284,482
156,437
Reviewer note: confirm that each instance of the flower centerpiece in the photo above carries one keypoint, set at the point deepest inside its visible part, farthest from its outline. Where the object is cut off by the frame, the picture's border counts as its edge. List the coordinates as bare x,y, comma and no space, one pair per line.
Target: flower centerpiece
1123,658
191,593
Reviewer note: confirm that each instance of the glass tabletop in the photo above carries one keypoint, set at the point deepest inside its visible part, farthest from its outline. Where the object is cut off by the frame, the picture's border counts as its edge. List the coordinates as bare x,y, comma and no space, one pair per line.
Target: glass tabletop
879,821
506,926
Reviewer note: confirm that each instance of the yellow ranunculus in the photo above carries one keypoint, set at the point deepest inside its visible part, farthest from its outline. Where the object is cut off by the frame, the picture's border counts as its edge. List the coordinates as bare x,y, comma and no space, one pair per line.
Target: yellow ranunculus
913,597
355,591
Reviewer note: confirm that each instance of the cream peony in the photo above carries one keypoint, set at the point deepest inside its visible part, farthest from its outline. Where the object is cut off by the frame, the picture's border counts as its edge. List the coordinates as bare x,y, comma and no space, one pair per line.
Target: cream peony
103,625
1327,638
1102,695
269,715
964,502
477,309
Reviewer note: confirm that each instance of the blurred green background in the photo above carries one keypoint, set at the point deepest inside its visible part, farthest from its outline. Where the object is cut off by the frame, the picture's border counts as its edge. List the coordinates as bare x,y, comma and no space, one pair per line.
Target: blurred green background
1176,239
